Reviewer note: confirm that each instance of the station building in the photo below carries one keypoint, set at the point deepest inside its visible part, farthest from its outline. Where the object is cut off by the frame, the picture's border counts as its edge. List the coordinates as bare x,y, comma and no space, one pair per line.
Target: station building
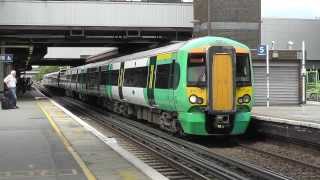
239,20
281,31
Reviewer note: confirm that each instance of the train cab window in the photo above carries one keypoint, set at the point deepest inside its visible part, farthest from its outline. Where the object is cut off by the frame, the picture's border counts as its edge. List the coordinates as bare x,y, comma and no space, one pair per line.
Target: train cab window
136,77
243,71
197,70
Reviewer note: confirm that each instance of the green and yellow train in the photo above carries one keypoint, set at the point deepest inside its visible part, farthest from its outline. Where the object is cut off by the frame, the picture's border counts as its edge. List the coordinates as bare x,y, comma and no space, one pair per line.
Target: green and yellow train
199,87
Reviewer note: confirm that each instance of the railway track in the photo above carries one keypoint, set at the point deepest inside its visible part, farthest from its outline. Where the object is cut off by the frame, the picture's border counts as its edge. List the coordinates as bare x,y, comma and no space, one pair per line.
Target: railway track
202,163
279,156
193,161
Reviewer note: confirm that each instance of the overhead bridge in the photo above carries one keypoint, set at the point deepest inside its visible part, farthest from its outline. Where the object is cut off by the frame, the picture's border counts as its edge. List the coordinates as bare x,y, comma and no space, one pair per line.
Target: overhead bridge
94,20
130,26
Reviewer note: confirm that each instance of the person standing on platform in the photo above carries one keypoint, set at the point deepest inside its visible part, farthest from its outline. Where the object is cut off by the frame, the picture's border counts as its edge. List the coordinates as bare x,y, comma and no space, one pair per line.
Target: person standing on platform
11,83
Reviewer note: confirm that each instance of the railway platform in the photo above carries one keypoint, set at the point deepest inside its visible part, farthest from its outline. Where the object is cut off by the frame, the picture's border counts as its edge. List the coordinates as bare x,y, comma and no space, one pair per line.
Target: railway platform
295,122
306,115
40,141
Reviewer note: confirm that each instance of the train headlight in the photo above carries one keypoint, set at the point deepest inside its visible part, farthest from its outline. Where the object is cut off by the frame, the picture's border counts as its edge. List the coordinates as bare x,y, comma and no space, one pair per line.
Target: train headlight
199,100
246,98
193,99
240,100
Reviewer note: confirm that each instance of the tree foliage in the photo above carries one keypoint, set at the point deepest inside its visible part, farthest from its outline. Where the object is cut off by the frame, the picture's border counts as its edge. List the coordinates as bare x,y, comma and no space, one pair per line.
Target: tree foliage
45,70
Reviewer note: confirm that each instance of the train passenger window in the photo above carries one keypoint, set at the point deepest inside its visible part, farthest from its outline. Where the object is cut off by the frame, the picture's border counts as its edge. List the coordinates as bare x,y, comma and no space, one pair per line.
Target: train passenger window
104,77
114,74
243,71
163,76
136,77
197,70
93,80
73,78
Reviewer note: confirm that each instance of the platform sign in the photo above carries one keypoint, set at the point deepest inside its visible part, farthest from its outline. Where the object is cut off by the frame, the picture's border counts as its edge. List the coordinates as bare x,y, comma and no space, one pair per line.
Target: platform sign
6,58
262,50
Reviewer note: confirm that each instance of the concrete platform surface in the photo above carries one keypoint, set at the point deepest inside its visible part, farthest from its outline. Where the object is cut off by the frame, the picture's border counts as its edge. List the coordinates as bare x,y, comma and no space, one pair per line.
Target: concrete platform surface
40,142
306,115
30,149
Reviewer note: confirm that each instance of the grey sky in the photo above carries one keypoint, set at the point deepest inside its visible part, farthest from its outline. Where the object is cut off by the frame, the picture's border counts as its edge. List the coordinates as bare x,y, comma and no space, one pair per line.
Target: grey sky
291,8
308,9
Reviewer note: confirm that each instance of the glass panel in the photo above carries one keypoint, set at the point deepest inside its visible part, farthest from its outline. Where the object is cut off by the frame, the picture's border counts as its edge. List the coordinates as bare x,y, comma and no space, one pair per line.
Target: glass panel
197,70
136,77
243,72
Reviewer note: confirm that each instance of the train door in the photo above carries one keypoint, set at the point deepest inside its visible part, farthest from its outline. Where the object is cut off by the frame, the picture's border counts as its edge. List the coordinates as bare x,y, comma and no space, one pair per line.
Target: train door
115,80
77,80
151,81
135,80
163,89
99,81
221,79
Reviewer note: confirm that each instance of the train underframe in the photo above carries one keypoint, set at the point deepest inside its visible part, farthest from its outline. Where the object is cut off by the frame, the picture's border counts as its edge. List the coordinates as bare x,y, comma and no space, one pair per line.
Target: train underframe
209,124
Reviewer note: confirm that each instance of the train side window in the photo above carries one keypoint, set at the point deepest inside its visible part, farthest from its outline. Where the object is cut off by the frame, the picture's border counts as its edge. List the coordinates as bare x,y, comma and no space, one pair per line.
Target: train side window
136,77
162,76
73,78
175,75
114,74
104,77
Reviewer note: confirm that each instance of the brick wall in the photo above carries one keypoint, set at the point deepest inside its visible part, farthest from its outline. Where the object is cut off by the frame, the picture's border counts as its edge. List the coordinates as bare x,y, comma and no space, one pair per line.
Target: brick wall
236,19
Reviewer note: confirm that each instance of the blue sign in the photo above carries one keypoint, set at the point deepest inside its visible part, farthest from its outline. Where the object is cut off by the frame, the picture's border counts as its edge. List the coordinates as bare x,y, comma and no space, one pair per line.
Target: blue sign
262,50
7,58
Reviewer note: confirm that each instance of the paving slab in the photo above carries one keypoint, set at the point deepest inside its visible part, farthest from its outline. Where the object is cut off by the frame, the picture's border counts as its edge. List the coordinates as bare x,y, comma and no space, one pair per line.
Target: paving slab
30,149
305,115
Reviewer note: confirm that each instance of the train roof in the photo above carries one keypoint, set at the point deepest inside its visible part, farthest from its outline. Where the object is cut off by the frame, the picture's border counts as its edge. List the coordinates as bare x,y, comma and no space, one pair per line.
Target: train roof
185,45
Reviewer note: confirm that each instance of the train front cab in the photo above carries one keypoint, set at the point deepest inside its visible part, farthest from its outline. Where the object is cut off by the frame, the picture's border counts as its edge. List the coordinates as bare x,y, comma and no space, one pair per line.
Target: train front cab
219,87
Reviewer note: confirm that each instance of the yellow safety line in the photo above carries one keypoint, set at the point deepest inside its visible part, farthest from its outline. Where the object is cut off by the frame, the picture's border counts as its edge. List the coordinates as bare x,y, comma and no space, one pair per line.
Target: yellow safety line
68,146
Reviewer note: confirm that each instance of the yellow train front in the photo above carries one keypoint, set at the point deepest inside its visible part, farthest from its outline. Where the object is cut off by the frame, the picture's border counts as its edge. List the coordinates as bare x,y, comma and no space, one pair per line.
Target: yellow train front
218,87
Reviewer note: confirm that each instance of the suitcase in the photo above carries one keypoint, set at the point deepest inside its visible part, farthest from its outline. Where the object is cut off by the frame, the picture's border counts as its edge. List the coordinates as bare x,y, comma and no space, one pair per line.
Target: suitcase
5,103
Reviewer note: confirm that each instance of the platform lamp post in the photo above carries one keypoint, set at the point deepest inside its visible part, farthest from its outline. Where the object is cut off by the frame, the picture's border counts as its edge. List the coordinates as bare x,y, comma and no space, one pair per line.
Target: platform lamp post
2,51
303,72
263,51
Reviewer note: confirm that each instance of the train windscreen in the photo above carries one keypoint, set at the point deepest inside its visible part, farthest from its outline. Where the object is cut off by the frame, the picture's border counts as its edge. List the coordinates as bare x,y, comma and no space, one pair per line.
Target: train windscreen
243,71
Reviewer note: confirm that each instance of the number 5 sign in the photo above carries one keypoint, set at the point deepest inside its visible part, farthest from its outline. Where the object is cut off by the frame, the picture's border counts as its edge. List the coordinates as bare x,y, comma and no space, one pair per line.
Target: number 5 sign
262,50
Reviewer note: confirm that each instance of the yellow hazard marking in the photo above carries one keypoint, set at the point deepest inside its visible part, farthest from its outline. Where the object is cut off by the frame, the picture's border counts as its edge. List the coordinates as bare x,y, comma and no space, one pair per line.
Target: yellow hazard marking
127,175
151,77
68,146
204,50
164,56
242,50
